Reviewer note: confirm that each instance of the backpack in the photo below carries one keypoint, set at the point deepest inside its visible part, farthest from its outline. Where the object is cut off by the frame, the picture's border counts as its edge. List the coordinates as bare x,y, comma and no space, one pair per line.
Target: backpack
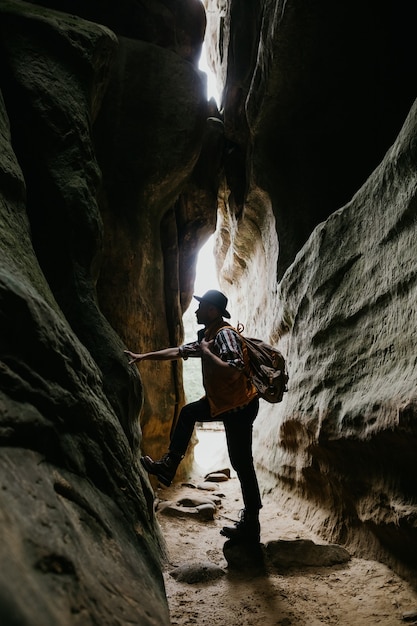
267,367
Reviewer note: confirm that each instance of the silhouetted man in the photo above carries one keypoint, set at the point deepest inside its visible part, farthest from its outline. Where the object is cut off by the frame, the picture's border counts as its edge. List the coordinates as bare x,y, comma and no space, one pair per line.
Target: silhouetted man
230,398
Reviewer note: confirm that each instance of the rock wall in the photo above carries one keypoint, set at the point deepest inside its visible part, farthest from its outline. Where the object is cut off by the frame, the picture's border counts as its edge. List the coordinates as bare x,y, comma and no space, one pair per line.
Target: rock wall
96,144
114,171
313,96
323,262
346,433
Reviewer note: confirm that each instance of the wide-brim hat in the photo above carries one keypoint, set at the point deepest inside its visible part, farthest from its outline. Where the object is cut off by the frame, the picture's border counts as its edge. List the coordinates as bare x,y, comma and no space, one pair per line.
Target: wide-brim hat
217,299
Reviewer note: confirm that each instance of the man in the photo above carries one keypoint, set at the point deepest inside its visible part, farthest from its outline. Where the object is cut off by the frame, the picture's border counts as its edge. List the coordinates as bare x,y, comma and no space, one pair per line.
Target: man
230,398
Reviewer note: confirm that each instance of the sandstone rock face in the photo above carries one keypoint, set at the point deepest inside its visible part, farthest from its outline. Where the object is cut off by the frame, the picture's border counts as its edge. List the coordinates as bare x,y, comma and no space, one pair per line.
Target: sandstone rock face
82,543
176,25
314,109
149,136
314,94
113,167
72,553
347,429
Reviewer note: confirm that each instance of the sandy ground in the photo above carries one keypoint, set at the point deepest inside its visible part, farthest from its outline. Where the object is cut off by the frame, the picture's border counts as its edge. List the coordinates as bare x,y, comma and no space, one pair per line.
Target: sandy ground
360,592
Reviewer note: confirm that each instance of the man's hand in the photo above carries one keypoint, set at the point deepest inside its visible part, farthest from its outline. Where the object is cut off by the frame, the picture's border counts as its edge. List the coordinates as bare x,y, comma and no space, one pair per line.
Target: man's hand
213,361
206,346
134,358
167,354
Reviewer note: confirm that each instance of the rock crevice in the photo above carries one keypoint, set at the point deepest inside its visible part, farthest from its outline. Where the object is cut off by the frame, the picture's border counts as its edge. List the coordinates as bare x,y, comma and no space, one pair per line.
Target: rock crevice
114,170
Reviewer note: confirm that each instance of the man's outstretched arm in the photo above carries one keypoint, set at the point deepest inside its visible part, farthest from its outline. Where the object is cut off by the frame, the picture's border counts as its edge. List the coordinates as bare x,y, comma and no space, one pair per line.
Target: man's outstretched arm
167,354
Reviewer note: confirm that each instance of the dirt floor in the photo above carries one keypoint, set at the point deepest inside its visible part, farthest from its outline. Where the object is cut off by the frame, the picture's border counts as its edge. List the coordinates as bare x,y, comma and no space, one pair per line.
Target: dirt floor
359,592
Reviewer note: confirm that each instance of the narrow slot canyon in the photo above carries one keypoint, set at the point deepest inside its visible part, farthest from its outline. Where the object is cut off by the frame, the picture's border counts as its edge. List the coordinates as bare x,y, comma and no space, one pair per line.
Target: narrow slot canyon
278,136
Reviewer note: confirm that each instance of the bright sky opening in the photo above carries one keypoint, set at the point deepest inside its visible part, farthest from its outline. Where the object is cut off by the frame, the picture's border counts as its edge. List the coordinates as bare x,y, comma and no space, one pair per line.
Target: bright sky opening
212,91
206,274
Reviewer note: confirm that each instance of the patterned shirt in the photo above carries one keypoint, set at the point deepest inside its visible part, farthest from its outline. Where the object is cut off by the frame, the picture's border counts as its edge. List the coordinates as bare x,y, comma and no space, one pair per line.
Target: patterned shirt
227,345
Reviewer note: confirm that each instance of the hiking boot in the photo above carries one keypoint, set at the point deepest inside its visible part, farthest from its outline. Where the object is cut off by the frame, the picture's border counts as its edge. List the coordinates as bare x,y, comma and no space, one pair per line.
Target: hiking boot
164,469
246,530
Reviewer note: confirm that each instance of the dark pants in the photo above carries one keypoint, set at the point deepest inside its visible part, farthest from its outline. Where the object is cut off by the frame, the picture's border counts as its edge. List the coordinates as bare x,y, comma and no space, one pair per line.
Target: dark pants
238,425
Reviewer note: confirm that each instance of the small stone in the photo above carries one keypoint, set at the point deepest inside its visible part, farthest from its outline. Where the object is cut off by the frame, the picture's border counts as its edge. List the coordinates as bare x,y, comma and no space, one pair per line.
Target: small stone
410,615
197,500
223,473
218,477
304,552
197,572
203,512
206,511
173,510
207,486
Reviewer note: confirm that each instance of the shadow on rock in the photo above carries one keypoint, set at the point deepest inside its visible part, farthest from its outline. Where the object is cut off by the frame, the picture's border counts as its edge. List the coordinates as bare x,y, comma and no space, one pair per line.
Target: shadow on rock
245,558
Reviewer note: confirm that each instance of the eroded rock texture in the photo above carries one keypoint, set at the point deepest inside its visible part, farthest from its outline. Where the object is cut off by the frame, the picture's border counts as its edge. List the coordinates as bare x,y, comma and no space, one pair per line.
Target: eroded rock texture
310,109
96,145
347,431
113,167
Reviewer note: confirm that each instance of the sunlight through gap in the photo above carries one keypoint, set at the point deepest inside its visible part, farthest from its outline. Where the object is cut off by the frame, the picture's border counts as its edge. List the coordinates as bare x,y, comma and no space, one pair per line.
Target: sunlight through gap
210,448
212,90
206,278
